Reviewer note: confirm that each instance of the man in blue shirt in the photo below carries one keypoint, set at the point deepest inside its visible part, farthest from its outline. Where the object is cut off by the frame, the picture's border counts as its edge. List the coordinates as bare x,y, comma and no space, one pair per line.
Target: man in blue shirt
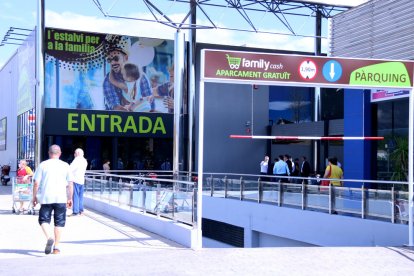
281,169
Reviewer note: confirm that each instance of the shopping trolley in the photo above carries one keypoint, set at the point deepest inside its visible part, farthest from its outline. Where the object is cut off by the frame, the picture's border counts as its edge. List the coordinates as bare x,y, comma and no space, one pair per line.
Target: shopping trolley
22,191
234,62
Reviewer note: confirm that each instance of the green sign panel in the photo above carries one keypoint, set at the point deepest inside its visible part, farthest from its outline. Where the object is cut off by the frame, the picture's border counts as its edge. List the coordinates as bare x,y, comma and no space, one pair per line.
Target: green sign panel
107,123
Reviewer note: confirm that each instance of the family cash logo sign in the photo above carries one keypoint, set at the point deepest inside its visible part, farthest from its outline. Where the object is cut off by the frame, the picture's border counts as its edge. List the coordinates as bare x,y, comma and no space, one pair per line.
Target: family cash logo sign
250,67
235,62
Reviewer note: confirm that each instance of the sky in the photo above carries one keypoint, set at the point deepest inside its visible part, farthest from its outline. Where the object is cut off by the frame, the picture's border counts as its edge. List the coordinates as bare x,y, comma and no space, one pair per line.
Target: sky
84,15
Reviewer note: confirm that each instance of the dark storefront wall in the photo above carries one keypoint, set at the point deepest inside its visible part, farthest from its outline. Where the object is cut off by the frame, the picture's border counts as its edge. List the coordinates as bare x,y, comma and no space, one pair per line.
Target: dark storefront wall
124,153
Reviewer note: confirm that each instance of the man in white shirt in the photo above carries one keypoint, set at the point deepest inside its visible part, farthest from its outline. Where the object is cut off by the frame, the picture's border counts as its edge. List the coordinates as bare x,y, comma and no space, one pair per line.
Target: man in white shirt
78,169
51,180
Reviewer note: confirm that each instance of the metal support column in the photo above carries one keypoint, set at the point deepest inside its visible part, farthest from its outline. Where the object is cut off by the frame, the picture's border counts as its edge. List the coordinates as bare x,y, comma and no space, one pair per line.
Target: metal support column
39,94
191,87
317,94
179,63
200,163
410,167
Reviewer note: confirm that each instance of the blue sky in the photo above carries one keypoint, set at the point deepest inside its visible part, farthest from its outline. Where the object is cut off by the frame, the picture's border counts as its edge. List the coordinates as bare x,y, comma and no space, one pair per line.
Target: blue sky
84,15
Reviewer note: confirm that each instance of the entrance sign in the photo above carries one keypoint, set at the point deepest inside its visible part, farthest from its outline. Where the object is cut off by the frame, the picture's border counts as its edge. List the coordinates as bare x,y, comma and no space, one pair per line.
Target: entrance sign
234,66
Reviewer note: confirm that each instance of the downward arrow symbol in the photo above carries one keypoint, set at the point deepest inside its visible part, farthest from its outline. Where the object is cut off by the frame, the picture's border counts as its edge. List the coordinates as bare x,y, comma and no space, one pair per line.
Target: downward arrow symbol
332,72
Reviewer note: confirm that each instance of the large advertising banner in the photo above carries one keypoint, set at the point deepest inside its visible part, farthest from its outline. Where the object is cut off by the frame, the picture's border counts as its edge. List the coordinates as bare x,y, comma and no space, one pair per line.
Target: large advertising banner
27,75
96,71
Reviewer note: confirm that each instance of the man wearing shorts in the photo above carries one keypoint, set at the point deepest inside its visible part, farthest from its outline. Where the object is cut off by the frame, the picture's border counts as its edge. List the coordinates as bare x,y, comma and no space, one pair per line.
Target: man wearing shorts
53,189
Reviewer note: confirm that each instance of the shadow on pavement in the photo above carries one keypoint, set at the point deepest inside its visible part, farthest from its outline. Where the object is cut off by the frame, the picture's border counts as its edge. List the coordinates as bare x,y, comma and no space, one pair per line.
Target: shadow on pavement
406,252
28,252
5,190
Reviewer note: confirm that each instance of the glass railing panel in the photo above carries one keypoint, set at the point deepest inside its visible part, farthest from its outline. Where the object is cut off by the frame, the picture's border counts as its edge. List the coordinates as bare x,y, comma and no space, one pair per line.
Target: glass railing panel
219,186
124,195
379,204
233,188
176,205
317,197
292,194
401,206
165,203
270,192
151,203
207,185
347,200
139,197
105,189
251,190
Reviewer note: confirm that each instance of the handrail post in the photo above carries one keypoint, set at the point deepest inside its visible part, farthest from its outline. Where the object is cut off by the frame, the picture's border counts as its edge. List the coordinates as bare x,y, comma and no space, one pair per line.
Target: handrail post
110,189
119,191
101,189
131,194
93,188
392,205
330,207
241,188
106,181
173,204
279,200
211,186
260,188
158,198
194,205
226,186
144,196
303,195
363,202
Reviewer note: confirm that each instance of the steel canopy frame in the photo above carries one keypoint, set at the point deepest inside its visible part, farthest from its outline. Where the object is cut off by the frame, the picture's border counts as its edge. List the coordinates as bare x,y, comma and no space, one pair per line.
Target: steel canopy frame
252,81
278,8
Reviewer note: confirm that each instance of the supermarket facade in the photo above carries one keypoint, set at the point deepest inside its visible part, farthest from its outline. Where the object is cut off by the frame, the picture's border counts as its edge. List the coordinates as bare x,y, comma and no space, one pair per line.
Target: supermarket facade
76,109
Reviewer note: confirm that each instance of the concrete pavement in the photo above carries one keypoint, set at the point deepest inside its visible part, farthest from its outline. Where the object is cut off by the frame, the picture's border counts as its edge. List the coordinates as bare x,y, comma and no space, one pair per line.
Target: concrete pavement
95,244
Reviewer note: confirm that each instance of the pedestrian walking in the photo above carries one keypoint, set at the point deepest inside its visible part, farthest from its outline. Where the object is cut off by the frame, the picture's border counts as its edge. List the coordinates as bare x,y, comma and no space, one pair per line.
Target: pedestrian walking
78,169
53,189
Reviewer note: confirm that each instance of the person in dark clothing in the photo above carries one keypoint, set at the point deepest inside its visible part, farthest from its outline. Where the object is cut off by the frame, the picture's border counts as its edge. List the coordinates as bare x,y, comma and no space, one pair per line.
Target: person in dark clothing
286,158
295,170
305,169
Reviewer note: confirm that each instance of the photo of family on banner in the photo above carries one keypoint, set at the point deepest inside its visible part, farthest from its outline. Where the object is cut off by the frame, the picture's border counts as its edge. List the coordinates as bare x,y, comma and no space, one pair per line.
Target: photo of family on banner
108,72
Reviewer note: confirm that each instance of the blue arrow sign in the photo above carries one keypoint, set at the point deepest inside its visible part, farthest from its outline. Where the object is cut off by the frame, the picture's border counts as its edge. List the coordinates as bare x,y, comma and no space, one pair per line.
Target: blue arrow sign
332,71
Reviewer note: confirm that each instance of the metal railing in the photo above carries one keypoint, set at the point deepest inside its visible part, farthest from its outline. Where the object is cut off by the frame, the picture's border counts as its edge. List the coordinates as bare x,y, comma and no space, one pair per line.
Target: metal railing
162,194
173,199
306,194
